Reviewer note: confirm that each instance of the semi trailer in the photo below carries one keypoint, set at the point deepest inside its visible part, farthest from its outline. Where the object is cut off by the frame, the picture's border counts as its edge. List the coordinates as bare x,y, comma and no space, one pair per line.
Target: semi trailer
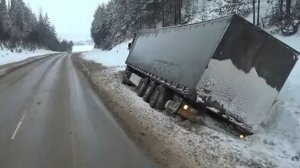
226,67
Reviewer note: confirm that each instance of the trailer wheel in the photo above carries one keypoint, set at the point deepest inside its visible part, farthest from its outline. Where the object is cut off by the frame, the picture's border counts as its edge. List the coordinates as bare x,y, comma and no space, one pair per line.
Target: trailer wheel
139,85
160,97
149,91
143,86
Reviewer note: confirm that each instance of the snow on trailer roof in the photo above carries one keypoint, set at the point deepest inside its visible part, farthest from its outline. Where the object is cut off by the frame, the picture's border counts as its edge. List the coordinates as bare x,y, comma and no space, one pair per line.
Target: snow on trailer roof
246,73
222,18
179,54
190,24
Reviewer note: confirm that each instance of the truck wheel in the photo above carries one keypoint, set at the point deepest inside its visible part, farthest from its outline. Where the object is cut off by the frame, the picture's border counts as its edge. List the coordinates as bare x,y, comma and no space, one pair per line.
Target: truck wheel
139,85
143,86
149,92
159,97
126,77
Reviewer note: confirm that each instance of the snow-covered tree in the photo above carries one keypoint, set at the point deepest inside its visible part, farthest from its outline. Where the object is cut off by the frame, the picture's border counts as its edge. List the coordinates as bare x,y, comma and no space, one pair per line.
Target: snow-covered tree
5,21
100,25
19,25
120,19
188,11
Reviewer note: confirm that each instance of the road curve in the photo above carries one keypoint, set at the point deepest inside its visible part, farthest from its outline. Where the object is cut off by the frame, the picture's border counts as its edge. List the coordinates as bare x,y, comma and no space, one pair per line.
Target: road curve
50,117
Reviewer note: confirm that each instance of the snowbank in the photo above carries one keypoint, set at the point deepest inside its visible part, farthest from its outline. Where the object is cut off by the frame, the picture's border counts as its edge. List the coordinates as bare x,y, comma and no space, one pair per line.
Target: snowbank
115,57
293,41
82,48
7,57
179,144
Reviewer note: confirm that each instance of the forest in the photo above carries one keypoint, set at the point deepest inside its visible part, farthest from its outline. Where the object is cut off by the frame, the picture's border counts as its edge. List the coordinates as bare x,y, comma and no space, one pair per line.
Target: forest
118,20
20,27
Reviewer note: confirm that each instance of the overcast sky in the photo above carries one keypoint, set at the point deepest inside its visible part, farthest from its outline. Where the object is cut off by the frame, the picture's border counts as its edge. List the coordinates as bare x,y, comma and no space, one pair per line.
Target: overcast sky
72,18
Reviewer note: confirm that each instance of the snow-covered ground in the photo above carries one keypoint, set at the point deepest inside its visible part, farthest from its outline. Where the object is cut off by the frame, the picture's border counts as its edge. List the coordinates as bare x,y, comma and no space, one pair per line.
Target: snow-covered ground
7,56
176,143
83,48
115,57
279,135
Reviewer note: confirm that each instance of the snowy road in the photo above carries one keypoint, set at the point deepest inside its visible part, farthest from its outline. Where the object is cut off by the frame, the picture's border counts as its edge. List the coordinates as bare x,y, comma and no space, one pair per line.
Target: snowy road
50,117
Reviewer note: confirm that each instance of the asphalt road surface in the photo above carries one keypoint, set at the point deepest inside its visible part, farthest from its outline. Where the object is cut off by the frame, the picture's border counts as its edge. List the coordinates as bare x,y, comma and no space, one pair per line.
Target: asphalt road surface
51,118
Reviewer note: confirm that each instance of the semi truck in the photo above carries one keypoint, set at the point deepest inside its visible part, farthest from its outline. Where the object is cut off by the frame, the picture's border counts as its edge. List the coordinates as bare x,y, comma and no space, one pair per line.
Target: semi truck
226,67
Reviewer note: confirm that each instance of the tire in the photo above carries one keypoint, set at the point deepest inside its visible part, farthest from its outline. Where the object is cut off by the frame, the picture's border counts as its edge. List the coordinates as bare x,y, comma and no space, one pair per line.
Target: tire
160,97
149,91
139,85
143,86
125,80
126,77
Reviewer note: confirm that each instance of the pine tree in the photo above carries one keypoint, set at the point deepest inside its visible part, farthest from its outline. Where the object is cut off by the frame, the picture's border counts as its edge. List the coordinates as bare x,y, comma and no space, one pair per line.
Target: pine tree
5,21
120,19
18,24
99,30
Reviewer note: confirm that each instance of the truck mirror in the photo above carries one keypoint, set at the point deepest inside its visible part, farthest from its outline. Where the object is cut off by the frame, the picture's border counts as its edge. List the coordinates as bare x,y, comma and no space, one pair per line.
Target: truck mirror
129,46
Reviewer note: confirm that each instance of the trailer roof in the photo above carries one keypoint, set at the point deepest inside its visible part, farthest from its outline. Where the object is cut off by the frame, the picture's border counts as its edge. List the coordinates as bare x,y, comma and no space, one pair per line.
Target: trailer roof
178,54
184,25
223,18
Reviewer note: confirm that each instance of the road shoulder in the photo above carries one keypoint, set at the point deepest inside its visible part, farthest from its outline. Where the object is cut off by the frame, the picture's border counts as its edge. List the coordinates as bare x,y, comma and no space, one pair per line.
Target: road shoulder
7,68
169,141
